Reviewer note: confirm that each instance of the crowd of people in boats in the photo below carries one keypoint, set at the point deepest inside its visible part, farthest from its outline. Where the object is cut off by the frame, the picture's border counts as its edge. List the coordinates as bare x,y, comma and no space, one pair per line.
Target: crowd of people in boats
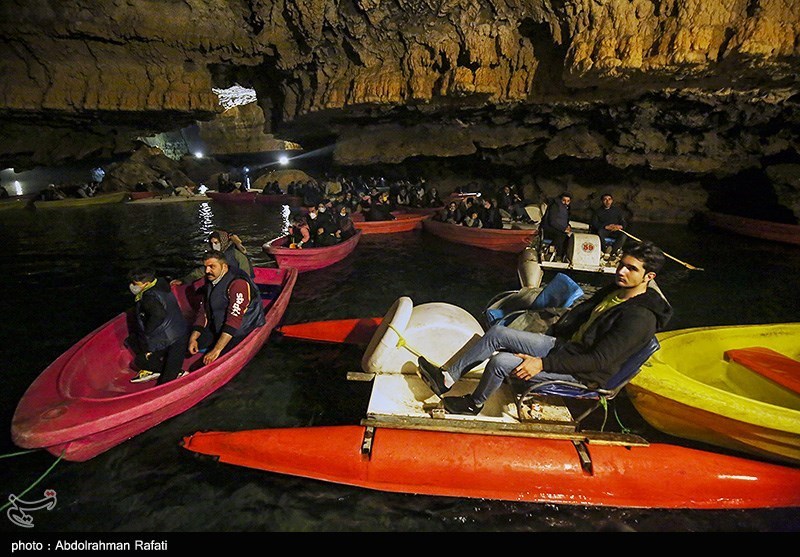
57,192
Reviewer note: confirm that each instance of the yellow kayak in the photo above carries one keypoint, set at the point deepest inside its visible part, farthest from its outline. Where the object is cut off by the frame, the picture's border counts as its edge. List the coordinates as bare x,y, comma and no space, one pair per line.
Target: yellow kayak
99,199
692,389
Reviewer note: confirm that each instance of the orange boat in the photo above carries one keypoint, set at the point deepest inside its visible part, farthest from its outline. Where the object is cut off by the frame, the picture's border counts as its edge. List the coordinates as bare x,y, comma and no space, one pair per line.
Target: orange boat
403,446
762,229
403,222
513,240
309,259
505,467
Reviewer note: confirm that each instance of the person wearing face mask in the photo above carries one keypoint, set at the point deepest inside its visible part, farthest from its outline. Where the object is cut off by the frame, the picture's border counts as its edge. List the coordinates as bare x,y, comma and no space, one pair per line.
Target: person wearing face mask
235,255
160,333
326,226
346,226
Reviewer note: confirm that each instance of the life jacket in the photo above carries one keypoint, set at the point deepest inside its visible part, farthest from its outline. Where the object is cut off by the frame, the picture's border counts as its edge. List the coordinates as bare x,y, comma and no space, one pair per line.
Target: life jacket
216,302
172,328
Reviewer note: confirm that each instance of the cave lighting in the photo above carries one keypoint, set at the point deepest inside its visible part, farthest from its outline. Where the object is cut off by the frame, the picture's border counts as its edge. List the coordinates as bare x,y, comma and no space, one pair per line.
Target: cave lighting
198,155
284,160
17,188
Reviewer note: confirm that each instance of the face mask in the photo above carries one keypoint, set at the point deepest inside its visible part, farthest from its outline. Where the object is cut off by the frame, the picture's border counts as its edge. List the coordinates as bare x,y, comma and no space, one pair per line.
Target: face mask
322,209
312,215
343,214
135,288
216,245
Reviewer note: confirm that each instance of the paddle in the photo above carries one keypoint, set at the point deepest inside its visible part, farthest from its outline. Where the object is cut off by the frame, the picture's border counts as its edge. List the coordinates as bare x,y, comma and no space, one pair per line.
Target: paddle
687,265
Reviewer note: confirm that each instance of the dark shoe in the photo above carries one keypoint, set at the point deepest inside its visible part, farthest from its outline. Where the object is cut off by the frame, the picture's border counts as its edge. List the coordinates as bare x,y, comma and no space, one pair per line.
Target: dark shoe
432,376
461,405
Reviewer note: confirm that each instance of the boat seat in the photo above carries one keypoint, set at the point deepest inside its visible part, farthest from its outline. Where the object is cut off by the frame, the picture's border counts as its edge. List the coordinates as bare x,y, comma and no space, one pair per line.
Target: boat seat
560,292
531,393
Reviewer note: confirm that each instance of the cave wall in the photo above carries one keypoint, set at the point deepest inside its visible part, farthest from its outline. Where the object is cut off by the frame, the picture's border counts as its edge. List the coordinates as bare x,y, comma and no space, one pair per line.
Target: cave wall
703,90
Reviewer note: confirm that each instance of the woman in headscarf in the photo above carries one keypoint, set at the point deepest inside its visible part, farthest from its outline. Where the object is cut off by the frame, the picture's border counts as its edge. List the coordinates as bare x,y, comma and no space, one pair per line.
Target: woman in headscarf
233,249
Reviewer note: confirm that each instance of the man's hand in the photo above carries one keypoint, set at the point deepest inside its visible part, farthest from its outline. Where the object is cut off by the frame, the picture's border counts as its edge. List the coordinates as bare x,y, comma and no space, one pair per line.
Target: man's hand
175,282
530,366
211,355
193,348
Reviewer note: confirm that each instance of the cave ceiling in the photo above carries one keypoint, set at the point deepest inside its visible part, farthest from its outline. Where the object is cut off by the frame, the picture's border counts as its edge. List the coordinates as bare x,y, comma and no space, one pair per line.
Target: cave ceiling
689,86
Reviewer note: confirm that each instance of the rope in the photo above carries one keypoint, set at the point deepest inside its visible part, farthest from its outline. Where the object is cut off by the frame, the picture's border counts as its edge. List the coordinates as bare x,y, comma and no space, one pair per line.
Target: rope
604,404
401,342
619,422
34,484
18,453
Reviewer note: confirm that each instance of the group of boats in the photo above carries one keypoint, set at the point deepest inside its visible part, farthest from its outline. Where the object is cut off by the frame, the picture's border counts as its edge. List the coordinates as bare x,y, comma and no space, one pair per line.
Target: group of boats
729,397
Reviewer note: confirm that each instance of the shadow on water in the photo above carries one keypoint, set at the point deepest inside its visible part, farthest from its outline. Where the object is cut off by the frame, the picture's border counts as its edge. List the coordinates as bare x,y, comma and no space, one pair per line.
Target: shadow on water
71,270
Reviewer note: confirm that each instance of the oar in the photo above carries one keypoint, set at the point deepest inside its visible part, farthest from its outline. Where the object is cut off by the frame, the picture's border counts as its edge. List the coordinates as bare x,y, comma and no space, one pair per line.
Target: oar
687,265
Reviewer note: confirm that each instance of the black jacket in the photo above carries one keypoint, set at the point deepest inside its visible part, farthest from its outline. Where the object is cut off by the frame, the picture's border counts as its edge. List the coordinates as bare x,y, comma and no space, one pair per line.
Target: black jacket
159,317
615,335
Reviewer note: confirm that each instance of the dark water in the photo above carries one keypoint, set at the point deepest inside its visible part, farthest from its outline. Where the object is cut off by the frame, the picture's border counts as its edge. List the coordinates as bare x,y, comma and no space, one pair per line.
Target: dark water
64,275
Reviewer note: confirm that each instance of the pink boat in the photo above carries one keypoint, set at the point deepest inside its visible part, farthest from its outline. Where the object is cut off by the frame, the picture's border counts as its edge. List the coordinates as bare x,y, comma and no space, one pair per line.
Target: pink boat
84,403
403,222
309,259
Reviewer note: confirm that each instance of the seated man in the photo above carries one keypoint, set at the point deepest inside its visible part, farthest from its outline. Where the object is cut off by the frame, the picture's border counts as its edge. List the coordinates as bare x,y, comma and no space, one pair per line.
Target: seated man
160,334
608,222
555,224
588,344
229,310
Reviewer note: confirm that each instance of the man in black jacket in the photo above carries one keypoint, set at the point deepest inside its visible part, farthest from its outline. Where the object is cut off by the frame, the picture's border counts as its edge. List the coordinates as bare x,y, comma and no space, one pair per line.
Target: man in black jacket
589,343
160,333
608,222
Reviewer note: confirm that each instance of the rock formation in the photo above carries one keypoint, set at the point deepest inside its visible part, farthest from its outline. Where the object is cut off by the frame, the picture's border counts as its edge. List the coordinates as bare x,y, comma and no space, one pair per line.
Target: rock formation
665,101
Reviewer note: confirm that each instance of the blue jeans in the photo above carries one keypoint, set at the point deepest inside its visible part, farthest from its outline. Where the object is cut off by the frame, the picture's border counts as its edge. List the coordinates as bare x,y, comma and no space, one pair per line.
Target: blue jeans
506,342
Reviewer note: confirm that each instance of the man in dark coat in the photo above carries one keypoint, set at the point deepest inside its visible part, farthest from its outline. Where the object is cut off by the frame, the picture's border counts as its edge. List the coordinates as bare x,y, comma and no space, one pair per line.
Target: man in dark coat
608,222
588,344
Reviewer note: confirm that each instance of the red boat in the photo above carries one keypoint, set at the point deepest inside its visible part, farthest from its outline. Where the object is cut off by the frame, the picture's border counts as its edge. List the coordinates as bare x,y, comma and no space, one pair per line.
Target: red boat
513,240
507,467
762,229
403,222
404,446
84,403
309,259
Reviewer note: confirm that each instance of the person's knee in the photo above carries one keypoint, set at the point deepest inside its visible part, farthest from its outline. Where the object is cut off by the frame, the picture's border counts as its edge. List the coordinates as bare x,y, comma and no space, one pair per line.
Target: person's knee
502,364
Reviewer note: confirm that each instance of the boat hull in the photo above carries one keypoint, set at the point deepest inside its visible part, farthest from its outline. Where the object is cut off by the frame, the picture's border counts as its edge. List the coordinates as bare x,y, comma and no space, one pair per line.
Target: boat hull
403,222
505,240
689,390
507,468
762,229
99,199
83,403
310,259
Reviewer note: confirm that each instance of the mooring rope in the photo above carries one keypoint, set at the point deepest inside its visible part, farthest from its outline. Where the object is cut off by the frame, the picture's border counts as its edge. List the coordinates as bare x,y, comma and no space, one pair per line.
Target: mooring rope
402,343
34,484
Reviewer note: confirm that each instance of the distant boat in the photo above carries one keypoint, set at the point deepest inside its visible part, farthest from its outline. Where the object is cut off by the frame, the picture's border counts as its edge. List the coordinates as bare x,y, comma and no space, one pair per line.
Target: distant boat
167,199
136,195
309,259
98,199
755,228
84,402
403,222
692,388
513,240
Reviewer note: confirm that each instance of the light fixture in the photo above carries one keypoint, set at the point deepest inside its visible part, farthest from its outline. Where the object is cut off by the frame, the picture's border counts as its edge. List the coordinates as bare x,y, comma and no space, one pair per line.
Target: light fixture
17,187
198,155
284,160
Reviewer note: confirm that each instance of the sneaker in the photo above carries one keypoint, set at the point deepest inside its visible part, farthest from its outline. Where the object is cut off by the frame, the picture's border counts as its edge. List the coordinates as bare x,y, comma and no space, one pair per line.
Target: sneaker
183,373
462,405
432,376
145,375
